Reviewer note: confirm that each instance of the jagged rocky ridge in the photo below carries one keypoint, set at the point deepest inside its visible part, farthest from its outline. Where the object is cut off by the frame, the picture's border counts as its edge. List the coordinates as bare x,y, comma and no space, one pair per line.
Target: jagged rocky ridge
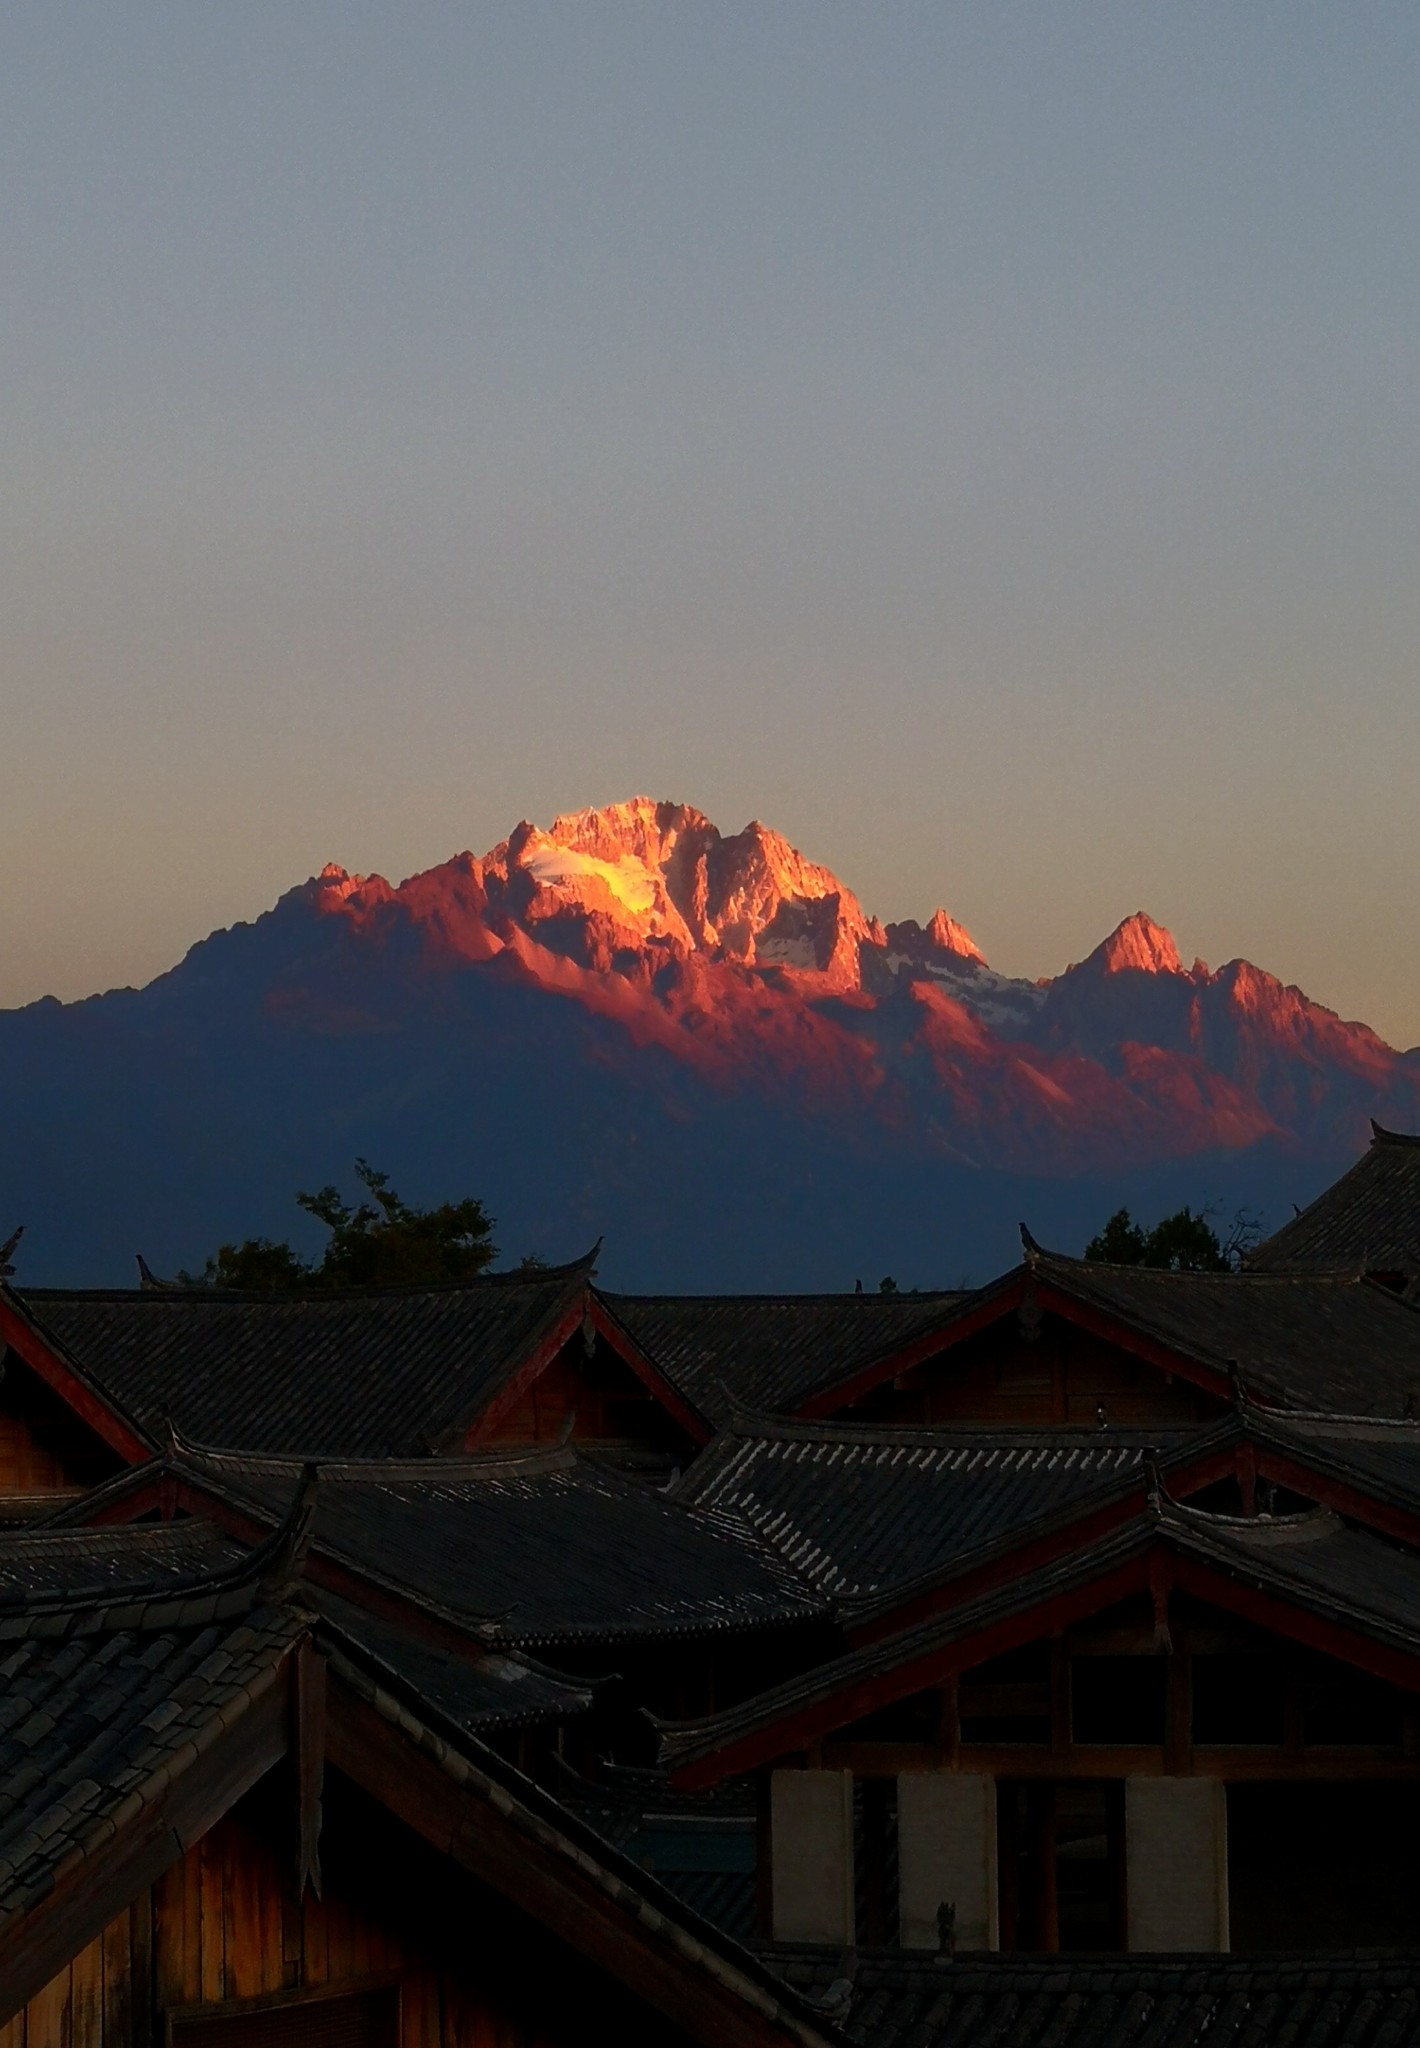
700,1044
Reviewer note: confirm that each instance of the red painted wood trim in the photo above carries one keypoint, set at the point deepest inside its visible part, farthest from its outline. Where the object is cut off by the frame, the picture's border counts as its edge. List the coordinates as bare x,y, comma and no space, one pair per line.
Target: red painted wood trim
59,1376
1268,1610
1156,1570
1193,1474
1401,1523
1084,1315
1115,1330
648,1372
956,1587
965,1325
819,1718
531,1369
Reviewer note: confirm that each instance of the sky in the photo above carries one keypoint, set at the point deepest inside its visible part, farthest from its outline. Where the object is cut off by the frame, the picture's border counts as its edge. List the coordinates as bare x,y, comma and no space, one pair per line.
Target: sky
981,441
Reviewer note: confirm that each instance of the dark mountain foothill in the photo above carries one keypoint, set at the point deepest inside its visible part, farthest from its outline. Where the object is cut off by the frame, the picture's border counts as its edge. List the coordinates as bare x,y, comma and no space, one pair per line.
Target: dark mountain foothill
699,1047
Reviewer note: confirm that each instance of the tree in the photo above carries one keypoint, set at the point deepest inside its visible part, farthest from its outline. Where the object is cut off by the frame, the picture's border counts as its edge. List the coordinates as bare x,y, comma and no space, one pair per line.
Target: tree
1184,1242
382,1241
1120,1243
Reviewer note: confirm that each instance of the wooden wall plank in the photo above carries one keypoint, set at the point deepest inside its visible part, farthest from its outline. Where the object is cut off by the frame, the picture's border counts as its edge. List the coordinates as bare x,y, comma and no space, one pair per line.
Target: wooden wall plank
211,1918
419,2005
241,1878
48,2015
271,1934
170,1936
315,1938
117,1949
86,1997
141,1937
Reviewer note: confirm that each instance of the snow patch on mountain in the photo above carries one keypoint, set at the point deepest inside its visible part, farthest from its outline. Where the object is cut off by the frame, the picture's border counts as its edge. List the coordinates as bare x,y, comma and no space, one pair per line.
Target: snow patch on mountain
562,867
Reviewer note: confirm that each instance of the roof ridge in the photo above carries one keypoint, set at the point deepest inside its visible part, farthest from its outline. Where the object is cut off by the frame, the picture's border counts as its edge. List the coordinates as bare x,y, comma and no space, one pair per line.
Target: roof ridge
474,1765
790,1300
168,1297
266,1573
475,1464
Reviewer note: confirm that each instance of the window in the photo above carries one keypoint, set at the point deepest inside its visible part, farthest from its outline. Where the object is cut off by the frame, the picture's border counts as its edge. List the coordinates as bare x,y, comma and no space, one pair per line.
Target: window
1237,1699
1008,1700
1118,1699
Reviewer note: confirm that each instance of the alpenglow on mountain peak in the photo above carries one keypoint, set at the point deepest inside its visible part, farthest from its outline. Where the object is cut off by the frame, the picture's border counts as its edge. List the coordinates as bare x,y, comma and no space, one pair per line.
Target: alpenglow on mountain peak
632,887
700,1044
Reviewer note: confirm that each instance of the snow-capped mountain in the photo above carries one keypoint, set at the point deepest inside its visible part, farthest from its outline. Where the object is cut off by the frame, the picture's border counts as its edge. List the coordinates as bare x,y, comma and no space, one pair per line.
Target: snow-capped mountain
698,1044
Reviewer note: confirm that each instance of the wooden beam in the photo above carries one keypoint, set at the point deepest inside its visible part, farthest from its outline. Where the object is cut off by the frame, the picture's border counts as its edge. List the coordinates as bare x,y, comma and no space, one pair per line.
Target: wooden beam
45,1360
823,1717
1088,1762
764,1855
1295,1624
550,1888
648,1372
308,1744
960,1326
532,1368
955,1586
1178,1714
1059,1695
1157,1571
1345,1499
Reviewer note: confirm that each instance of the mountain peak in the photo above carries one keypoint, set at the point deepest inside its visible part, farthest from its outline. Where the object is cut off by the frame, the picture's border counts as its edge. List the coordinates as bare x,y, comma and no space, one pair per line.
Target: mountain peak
1141,945
944,931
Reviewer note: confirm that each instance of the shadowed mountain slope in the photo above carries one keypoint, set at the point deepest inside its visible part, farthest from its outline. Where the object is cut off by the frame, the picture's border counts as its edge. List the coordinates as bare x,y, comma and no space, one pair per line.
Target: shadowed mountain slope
699,1044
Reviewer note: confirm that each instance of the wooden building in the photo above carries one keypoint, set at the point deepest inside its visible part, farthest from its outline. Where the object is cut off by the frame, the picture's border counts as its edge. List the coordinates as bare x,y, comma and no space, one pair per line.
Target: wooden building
225,1824
100,1376
1091,1726
771,1669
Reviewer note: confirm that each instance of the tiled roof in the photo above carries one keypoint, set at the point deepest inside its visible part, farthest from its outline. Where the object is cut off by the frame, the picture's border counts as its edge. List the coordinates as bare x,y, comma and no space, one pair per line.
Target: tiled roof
541,1546
1368,1221
101,1701
1302,1340
555,1834
857,1511
104,1707
366,1372
771,1353
1380,1457
476,1693
1181,2001
1316,1560
98,1564
1313,1561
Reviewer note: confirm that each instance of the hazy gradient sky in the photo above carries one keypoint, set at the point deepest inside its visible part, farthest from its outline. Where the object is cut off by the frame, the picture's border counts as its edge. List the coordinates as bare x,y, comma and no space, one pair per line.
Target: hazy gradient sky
981,440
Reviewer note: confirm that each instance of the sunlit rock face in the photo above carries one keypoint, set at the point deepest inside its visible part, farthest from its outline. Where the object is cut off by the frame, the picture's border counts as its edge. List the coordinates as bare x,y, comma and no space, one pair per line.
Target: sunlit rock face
691,1038
761,969
632,886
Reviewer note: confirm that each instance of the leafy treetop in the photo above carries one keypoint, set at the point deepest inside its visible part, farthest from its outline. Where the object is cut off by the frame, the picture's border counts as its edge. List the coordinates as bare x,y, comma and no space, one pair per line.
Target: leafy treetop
1185,1242
381,1242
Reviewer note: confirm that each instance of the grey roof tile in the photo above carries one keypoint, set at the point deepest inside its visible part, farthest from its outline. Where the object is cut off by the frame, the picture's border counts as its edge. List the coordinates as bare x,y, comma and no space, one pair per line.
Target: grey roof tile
1368,1221
1222,2001
365,1372
535,1547
861,1510
1296,1340
771,1353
